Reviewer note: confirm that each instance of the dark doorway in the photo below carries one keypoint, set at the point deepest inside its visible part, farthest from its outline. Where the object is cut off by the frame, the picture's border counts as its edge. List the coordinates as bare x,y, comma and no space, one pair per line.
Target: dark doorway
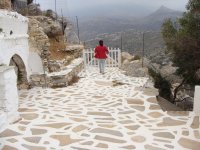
20,71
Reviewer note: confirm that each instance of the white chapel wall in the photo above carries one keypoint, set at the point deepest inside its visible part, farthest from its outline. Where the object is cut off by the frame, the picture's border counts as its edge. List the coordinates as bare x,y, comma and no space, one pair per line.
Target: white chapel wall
13,37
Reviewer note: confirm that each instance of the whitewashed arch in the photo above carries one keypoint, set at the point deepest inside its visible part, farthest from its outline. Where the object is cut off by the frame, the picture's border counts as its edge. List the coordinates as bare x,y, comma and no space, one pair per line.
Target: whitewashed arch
7,52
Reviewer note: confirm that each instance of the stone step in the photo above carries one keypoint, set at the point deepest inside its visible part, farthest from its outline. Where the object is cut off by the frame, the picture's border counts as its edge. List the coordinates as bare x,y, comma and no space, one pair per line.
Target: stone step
195,123
167,106
178,113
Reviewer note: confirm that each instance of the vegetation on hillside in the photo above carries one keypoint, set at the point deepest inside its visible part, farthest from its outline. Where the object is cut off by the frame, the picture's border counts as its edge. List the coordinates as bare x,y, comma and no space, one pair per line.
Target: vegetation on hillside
182,38
29,1
131,41
127,33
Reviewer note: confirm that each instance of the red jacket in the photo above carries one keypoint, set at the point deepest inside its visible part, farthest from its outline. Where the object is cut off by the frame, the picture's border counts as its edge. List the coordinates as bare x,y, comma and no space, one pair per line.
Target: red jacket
100,52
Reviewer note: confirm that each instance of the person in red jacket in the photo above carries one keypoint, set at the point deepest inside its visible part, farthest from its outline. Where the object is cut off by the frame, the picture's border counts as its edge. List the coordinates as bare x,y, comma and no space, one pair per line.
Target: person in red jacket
101,52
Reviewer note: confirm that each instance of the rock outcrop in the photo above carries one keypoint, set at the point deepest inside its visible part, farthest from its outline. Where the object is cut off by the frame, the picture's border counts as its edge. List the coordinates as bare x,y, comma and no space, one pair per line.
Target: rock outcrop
46,37
34,10
133,67
126,57
51,14
161,64
5,4
38,40
70,35
50,27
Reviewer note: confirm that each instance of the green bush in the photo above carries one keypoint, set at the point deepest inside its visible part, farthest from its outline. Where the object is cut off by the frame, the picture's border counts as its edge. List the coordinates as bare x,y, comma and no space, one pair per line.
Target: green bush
137,57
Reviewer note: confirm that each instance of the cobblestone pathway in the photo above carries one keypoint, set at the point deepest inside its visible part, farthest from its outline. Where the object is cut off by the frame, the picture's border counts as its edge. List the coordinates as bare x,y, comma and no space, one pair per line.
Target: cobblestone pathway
97,113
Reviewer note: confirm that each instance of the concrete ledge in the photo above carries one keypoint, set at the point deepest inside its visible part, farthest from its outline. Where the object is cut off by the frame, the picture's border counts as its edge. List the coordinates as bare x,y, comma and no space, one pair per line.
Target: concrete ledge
196,107
58,79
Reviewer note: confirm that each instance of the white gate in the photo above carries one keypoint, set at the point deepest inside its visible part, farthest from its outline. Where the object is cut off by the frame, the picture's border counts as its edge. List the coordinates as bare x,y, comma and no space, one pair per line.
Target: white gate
113,60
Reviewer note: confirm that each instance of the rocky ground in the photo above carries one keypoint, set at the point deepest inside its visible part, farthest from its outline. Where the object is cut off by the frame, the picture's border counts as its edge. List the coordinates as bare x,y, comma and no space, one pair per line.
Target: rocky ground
133,65
110,111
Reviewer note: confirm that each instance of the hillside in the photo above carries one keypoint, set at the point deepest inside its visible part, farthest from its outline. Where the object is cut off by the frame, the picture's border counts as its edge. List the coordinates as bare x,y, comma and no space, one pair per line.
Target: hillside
91,27
132,42
127,34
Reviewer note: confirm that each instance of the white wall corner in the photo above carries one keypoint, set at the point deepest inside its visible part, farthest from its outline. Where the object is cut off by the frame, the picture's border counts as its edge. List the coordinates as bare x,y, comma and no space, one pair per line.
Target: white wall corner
196,108
10,97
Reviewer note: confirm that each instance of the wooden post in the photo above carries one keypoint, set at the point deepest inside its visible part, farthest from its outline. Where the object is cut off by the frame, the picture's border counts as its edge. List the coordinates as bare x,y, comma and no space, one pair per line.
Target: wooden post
119,58
121,42
143,50
63,30
87,55
56,8
84,59
77,28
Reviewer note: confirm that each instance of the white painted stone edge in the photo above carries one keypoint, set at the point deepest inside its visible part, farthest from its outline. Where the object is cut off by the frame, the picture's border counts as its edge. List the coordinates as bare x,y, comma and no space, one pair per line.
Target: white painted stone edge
196,108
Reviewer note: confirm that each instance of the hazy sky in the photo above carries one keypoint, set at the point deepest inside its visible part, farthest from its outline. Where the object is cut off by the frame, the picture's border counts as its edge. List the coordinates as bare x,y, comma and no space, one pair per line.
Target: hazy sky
92,7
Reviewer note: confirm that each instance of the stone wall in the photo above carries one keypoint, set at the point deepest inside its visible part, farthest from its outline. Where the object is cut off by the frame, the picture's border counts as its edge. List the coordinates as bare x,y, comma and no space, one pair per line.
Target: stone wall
58,79
71,35
41,29
50,27
132,66
5,4
38,41
19,4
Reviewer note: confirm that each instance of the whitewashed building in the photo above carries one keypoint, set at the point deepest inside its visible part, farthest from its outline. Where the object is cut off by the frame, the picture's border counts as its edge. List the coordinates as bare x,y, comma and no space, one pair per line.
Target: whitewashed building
14,47
14,51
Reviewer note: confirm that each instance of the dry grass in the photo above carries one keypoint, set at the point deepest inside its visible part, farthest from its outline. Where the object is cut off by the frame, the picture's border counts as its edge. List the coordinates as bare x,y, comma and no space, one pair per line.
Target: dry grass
58,86
56,47
136,57
74,80
117,83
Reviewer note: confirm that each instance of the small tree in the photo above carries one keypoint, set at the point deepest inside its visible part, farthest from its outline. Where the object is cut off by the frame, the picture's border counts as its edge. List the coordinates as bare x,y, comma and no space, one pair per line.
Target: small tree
29,1
183,41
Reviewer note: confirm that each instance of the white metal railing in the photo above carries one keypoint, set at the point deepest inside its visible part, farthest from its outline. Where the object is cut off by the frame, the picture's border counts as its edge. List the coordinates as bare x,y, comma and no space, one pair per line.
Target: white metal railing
113,60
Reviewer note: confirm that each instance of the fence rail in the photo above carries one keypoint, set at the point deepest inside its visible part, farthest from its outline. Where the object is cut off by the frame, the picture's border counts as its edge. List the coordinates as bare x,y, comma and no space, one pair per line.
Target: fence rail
113,60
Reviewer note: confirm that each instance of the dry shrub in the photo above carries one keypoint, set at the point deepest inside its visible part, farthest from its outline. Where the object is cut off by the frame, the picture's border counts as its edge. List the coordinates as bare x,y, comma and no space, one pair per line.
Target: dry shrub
117,83
74,80
137,57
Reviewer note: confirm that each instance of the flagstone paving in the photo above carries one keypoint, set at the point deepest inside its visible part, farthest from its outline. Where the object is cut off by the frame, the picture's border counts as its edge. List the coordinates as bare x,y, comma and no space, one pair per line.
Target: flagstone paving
97,113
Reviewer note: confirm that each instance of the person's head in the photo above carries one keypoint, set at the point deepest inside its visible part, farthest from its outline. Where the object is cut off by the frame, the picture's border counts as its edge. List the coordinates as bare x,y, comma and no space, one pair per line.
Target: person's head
101,42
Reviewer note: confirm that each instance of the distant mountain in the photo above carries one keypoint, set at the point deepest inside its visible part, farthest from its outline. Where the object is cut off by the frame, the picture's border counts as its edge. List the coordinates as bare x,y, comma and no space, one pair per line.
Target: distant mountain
155,20
164,12
127,33
91,27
